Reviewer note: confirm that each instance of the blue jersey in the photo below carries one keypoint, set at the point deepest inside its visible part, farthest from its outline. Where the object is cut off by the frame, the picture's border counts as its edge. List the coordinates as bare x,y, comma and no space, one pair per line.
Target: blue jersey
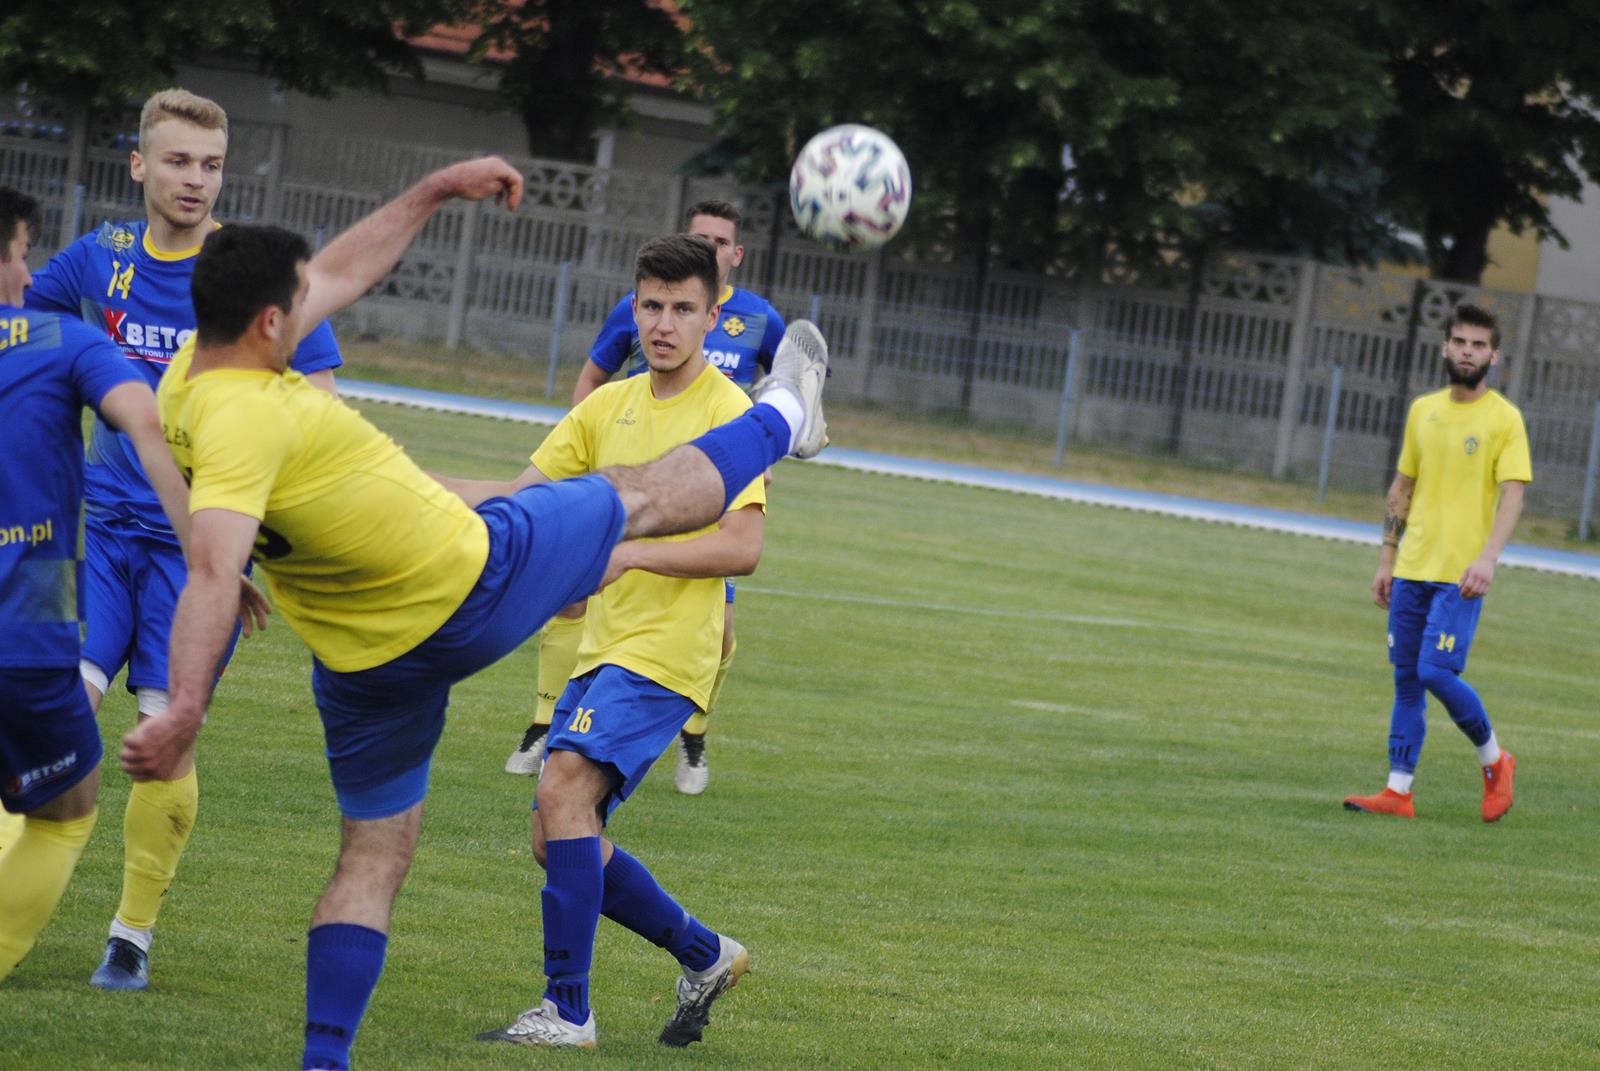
118,283
747,334
50,368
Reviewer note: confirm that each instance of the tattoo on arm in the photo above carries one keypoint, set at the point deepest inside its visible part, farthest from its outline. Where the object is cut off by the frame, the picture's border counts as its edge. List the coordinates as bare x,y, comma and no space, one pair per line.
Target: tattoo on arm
1394,520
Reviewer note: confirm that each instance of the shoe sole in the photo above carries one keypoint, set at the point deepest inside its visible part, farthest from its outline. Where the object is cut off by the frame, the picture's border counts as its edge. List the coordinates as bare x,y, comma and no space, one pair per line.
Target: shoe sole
813,374
682,1032
1356,807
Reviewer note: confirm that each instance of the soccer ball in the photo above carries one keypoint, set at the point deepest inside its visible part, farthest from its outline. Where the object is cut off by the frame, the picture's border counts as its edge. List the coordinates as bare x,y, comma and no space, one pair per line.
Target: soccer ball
850,188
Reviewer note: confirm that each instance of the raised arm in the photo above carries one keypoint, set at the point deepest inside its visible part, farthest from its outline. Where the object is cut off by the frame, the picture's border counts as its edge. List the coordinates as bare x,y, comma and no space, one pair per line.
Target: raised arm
358,259
1479,575
1397,507
219,544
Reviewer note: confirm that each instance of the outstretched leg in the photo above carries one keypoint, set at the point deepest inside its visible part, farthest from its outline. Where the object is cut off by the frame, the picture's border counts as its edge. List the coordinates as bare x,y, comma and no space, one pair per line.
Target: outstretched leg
693,485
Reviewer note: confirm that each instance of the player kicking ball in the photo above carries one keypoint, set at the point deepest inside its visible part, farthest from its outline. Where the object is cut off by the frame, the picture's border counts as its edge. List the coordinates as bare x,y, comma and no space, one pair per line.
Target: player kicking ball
1451,510
394,613
649,655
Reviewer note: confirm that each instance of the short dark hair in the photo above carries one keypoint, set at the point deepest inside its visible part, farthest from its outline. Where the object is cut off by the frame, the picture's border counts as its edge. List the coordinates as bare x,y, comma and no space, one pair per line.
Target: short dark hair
675,258
1475,316
717,209
17,207
241,270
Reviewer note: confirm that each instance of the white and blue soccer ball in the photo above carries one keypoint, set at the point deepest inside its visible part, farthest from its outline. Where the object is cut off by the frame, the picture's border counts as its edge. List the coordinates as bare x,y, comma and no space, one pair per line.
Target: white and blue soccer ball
850,188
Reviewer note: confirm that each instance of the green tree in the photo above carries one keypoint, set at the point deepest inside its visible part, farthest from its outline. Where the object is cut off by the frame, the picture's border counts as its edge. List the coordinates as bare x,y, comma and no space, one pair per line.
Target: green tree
565,58
1050,130
1494,115
104,53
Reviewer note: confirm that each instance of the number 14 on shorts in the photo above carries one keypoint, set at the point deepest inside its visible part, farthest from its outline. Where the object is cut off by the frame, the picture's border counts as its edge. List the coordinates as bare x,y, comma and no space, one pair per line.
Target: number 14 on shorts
581,720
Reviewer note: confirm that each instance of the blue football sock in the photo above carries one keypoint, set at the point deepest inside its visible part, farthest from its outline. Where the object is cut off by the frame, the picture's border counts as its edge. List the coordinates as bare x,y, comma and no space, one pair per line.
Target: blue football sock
634,899
1407,725
744,448
1459,698
343,962
574,886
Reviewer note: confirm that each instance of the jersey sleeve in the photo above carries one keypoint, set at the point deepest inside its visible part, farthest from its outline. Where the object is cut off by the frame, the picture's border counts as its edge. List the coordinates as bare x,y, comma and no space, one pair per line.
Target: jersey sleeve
239,447
610,349
569,449
1409,449
318,351
1515,461
770,338
58,287
98,366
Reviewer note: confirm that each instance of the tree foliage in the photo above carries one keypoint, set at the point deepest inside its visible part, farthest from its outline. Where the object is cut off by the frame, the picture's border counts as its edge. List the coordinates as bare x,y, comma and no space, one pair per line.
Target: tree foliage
104,53
1494,114
1056,130
565,56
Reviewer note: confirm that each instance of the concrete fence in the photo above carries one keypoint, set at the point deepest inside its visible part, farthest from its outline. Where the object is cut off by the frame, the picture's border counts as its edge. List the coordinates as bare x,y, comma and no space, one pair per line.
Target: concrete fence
1238,363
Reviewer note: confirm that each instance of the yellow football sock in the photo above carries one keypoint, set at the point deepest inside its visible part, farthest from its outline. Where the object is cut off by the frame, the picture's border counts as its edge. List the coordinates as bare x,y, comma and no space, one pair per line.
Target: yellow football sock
697,724
155,830
34,873
10,829
558,653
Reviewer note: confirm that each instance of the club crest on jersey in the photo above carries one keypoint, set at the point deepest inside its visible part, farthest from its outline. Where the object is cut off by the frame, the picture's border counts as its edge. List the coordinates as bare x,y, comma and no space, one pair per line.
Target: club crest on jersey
733,326
627,418
1471,445
116,238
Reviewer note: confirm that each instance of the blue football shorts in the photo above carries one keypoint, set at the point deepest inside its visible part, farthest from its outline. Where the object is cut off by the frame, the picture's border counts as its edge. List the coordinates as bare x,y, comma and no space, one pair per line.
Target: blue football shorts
727,590
131,581
1430,622
619,720
548,546
48,737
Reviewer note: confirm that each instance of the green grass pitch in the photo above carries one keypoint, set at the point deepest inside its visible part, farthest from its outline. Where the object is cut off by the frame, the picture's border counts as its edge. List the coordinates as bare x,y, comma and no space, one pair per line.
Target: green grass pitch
996,782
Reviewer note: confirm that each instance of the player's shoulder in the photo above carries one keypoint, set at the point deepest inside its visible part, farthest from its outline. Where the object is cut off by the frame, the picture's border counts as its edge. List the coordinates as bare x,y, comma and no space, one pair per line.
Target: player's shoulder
1504,405
52,330
115,237
623,308
1430,401
748,300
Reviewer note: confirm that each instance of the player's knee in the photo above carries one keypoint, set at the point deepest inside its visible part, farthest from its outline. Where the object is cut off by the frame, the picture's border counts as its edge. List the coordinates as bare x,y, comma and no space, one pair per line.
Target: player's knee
1434,676
538,841
77,802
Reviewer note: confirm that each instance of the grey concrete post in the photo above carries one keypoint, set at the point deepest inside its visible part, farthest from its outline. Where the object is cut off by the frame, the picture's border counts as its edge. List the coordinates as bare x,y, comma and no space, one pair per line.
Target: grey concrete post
461,283
867,323
1294,373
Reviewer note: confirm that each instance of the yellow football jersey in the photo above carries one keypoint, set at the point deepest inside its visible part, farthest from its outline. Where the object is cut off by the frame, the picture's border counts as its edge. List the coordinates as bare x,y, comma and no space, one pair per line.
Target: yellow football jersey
365,554
662,627
1459,453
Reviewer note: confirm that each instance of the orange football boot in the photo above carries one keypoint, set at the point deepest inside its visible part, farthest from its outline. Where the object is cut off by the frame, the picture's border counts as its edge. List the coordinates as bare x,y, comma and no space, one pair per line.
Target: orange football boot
1388,802
1497,787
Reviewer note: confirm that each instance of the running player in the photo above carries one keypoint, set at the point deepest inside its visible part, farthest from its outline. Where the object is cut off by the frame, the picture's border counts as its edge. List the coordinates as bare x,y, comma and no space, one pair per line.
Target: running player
394,613
1451,510
50,368
744,339
131,280
647,661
